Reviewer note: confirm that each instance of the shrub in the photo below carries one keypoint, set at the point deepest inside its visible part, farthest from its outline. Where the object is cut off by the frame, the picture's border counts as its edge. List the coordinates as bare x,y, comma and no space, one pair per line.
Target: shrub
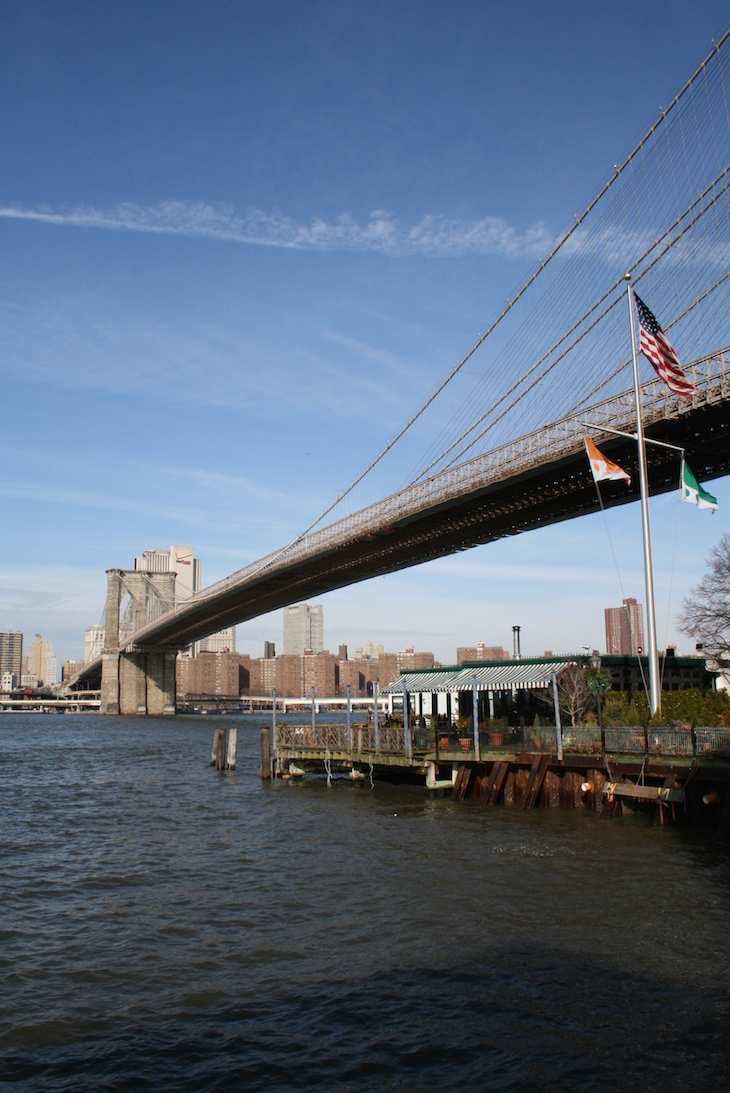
715,710
615,709
637,714
682,707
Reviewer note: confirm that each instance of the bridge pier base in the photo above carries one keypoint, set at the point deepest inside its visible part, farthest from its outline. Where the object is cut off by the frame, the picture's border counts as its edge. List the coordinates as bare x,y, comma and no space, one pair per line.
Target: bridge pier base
109,683
138,683
161,691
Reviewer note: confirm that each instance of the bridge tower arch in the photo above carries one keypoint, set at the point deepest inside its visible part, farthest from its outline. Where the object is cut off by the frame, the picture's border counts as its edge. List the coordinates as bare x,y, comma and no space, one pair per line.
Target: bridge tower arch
137,679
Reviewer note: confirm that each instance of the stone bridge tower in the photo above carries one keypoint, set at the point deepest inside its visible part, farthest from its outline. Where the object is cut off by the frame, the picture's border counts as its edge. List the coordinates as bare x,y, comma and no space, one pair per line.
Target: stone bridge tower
137,679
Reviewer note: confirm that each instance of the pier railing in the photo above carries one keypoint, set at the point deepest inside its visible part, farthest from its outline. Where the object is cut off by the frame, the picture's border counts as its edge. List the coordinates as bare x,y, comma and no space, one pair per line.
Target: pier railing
386,739
712,742
581,740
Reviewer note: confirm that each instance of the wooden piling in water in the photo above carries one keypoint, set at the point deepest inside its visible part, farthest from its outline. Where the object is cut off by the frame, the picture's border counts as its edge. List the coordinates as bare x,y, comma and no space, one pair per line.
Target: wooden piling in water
218,756
265,752
231,752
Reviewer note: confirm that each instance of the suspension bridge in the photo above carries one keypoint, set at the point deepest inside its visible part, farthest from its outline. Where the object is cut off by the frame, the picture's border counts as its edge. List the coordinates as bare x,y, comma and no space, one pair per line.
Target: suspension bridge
496,449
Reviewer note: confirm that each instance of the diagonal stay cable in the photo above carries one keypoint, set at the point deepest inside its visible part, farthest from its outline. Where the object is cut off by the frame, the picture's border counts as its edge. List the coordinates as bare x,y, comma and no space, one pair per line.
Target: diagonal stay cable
511,304
583,332
567,350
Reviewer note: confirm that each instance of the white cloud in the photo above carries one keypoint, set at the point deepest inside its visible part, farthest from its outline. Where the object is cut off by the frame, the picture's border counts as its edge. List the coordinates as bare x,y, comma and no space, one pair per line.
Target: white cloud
383,233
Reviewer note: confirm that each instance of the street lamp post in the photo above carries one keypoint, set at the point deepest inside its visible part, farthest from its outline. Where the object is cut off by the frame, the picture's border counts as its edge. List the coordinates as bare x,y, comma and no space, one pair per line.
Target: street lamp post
596,663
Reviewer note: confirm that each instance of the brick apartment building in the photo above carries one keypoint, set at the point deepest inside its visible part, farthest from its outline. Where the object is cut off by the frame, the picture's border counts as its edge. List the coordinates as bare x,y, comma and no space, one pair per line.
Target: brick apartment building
293,676
467,654
361,674
408,660
226,674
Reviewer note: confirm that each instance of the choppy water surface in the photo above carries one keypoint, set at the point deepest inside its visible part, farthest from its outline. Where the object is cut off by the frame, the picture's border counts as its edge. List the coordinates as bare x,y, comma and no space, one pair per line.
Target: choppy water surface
165,926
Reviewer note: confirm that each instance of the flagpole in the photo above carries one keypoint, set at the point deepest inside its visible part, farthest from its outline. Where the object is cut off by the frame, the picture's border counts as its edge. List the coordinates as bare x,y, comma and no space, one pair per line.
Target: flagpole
655,700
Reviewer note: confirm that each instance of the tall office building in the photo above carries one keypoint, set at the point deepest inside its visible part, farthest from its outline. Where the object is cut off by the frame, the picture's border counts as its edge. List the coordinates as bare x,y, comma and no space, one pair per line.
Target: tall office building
93,642
11,652
303,629
179,560
42,662
625,629
224,641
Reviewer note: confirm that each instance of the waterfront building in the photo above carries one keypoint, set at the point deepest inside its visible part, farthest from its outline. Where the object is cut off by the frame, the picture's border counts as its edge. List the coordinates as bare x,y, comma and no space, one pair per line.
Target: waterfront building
42,662
625,629
11,651
93,642
678,673
29,681
303,629
8,682
69,669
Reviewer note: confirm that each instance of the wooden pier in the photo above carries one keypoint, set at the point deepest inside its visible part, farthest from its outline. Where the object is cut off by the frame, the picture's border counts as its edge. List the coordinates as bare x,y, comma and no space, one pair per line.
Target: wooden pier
671,772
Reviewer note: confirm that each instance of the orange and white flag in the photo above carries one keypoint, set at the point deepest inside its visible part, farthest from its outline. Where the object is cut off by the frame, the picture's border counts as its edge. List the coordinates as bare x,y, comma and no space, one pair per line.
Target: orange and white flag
603,469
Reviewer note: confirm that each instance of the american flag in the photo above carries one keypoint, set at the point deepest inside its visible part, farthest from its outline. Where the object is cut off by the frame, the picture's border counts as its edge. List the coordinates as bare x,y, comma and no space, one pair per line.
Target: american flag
655,345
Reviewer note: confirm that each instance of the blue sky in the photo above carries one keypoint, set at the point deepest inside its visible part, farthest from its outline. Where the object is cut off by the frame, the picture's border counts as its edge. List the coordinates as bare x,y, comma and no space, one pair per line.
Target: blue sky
241,242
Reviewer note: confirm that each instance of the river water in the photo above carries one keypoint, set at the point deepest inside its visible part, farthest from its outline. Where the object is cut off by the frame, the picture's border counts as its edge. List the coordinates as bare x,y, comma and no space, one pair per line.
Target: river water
164,926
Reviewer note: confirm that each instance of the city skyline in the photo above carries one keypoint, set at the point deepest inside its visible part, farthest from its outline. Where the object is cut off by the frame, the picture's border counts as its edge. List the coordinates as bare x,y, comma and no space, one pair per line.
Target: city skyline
248,300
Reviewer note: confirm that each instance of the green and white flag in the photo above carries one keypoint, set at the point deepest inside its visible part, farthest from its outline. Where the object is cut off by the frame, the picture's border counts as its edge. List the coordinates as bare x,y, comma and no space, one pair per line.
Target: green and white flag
692,490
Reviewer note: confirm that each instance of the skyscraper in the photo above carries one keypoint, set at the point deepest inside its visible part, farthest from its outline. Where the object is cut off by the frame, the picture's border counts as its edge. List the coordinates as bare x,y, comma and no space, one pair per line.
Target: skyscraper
625,629
41,661
93,642
11,651
223,641
303,629
179,560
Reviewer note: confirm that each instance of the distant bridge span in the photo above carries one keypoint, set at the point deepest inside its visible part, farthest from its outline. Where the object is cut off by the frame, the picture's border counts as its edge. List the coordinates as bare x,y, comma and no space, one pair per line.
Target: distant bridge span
539,479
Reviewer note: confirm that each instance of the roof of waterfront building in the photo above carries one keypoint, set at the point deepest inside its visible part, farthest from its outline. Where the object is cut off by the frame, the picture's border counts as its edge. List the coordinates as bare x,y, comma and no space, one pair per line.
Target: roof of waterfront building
528,673
489,675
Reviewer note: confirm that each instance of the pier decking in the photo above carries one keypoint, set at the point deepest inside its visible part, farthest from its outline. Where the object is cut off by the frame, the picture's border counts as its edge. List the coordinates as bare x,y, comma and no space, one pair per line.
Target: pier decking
670,770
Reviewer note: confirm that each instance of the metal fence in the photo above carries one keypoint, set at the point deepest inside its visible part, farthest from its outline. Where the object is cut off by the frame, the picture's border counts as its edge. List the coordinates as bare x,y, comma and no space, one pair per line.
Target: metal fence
712,742
584,740
625,741
670,742
581,740
388,739
318,738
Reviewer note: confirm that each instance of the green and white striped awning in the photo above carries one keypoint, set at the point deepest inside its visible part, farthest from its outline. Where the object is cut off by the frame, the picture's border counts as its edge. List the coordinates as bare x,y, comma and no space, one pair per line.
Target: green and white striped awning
426,681
494,676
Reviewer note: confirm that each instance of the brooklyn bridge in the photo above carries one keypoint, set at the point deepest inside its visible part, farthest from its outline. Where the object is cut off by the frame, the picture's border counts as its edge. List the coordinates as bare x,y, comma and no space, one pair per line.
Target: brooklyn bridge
497,447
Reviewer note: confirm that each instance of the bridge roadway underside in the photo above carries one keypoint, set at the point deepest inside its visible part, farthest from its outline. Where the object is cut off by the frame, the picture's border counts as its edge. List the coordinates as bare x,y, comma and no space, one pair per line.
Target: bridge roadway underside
545,494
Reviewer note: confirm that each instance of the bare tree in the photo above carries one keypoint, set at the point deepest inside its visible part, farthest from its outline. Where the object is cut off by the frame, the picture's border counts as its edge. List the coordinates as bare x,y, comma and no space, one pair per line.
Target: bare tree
573,692
705,612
